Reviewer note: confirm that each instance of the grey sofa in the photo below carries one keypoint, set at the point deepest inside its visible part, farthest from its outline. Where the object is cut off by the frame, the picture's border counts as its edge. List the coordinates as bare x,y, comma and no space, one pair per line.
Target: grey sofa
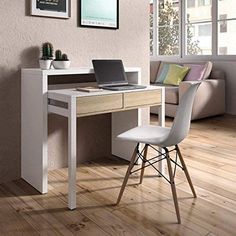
210,97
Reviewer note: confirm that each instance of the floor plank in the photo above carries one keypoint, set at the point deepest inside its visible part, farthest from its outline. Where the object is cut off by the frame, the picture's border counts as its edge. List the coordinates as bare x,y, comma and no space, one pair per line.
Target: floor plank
145,210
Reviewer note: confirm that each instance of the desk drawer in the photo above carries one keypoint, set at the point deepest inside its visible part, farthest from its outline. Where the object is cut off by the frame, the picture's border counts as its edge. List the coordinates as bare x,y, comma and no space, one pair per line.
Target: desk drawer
142,98
98,104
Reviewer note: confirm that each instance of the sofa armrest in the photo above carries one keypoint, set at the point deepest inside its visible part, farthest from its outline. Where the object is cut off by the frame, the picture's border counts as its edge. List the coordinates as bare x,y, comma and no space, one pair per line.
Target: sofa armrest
183,87
209,99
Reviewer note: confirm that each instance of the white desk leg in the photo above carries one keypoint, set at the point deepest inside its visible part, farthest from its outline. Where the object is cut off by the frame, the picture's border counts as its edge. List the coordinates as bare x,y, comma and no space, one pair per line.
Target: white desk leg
161,117
72,154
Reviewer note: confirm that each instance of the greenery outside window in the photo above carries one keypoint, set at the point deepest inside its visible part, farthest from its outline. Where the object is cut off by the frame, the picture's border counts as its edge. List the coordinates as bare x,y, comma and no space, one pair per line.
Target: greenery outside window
168,28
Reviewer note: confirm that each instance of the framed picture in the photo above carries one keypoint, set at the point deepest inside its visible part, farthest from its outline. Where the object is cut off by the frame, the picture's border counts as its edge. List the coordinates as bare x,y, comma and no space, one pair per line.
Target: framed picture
51,8
99,13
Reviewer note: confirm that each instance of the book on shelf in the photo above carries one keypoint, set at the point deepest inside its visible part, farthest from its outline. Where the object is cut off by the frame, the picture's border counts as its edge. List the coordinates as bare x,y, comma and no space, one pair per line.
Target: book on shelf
89,89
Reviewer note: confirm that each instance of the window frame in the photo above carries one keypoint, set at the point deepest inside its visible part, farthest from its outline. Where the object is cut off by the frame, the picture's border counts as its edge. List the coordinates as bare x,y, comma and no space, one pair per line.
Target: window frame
182,55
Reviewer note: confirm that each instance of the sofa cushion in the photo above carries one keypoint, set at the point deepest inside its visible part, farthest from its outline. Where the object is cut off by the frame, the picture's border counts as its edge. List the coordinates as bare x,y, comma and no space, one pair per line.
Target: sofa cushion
208,70
162,72
154,67
171,93
175,74
198,71
170,73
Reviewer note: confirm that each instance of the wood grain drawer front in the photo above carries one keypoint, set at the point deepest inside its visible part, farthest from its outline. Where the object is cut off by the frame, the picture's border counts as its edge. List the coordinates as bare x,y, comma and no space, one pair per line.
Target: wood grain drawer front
142,98
98,104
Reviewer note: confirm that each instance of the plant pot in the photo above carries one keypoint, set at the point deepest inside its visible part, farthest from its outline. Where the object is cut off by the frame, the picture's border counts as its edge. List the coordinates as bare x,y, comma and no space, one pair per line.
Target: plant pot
61,64
45,64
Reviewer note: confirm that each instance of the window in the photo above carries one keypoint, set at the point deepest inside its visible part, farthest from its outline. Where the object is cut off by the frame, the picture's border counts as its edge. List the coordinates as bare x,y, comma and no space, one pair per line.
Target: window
175,3
204,30
226,21
193,36
223,23
192,30
167,32
201,42
204,2
161,4
190,3
223,50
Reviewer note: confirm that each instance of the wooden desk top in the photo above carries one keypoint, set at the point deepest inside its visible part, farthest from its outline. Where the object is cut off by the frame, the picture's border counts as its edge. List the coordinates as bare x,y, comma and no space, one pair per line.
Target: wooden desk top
105,101
74,93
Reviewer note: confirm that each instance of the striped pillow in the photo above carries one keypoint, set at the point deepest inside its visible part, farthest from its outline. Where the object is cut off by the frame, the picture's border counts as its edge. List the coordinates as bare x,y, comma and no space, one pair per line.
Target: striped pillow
163,70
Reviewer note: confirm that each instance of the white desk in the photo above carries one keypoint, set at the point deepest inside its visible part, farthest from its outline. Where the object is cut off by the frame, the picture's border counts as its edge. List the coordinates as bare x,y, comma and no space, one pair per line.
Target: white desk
125,106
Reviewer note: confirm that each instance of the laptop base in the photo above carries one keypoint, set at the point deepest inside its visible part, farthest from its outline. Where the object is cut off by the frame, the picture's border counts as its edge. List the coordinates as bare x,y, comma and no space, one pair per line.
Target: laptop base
124,87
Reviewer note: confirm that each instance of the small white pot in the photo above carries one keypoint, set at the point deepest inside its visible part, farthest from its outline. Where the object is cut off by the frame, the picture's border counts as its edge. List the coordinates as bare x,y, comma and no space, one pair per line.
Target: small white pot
45,64
61,64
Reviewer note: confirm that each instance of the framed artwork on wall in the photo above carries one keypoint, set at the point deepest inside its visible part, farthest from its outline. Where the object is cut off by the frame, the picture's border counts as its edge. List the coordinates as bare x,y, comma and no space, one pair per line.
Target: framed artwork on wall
99,13
51,8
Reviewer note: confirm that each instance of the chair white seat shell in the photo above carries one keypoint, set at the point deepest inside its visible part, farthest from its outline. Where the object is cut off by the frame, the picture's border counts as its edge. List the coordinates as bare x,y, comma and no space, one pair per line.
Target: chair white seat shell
146,134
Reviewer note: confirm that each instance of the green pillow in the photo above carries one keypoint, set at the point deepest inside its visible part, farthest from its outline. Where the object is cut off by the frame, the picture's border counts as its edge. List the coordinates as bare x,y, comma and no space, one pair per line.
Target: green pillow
176,74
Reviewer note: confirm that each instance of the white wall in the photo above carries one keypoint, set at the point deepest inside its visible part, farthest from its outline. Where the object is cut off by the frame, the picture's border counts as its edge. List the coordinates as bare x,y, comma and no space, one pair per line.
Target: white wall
20,38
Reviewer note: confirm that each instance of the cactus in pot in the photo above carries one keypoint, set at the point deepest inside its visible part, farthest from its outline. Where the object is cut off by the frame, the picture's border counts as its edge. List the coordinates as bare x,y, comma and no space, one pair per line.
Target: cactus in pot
64,57
61,61
58,55
47,51
47,56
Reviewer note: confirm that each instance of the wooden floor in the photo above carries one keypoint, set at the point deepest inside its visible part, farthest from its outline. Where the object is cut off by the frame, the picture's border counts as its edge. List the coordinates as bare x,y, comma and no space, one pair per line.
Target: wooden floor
147,209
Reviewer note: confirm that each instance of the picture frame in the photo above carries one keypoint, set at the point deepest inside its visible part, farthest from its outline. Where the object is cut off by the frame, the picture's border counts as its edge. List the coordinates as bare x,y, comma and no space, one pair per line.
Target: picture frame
99,14
51,8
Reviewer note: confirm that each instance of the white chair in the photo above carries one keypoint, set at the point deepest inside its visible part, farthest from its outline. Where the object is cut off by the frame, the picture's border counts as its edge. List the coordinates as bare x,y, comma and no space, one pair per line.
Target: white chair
163,137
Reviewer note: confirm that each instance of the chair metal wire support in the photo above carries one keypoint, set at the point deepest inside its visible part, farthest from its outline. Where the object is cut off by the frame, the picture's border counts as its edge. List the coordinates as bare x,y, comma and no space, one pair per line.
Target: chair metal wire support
140,156
169,151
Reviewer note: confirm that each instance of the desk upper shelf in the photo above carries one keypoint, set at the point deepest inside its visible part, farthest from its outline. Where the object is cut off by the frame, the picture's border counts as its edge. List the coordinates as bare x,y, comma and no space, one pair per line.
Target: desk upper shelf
72,71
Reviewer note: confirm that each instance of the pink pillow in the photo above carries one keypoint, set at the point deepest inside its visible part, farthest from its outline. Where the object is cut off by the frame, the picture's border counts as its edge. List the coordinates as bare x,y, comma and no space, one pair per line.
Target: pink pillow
196,72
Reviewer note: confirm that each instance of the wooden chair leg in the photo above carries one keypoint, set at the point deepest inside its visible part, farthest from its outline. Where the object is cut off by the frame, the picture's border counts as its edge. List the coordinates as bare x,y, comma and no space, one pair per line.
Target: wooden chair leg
131,164
143,163
173,189
186,171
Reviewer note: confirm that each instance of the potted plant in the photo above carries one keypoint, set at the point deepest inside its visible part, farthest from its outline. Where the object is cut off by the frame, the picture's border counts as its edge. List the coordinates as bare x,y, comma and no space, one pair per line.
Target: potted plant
61,61
47,56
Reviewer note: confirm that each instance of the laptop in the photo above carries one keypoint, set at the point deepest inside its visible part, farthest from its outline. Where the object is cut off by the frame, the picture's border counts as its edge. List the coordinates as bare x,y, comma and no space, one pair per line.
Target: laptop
110,74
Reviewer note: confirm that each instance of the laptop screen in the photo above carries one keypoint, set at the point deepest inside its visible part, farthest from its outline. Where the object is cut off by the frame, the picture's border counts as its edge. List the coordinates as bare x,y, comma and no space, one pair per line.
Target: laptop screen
109,72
